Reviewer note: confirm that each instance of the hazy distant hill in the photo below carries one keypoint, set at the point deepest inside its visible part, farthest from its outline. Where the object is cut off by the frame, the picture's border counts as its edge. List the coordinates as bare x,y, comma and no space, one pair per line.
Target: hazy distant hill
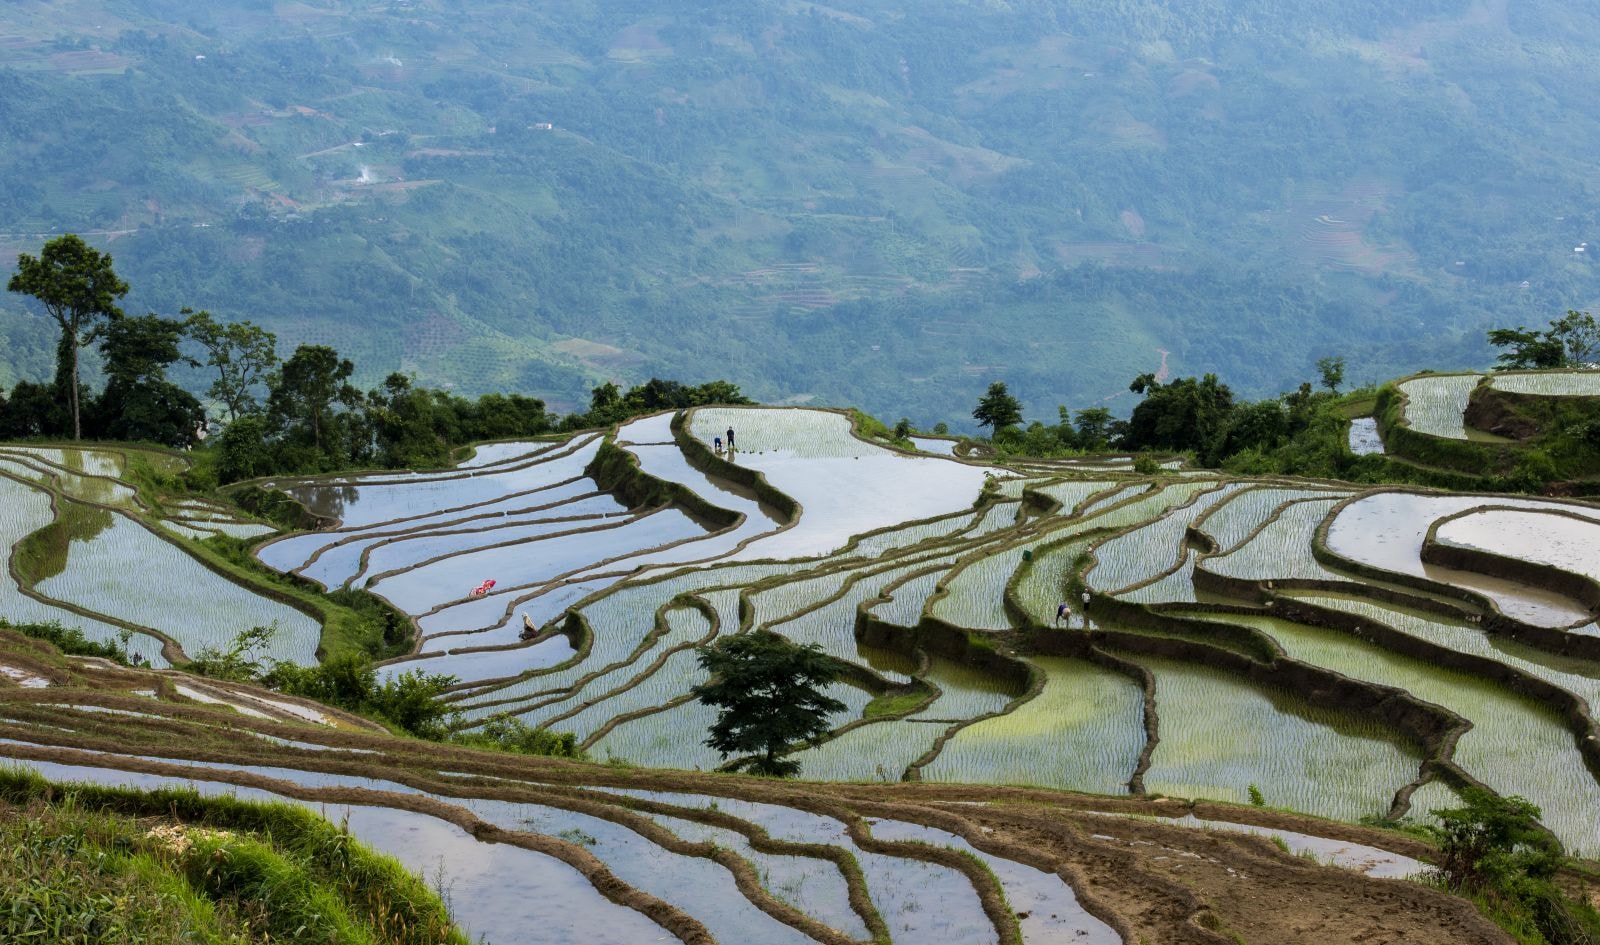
882,202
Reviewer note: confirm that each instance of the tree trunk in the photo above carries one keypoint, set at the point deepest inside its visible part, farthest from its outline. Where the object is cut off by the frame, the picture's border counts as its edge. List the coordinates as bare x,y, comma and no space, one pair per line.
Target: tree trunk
77,423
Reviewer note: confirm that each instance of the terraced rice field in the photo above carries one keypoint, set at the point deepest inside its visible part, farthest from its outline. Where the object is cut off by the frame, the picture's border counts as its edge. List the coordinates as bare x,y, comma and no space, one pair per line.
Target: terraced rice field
1436,403
577,853
852,561
89,551
1549,383
938,597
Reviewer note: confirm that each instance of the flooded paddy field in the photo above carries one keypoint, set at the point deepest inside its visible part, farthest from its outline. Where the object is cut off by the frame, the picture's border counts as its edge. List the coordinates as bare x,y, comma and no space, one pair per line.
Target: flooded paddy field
1230,638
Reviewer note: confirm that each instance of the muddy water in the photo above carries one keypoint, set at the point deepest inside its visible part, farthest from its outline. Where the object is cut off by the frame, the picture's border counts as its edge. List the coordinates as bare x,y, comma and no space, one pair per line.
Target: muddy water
701,887
1554,540
1372,861
923,903
814,886
1387,529
495,891
1046,906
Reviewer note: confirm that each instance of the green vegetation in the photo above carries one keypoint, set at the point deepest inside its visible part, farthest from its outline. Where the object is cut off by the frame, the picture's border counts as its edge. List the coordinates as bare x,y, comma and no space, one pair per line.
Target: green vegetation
78,290
997,409
353,621
518,737
68,640
89,864
1494,851
1571,341
770,694
768,194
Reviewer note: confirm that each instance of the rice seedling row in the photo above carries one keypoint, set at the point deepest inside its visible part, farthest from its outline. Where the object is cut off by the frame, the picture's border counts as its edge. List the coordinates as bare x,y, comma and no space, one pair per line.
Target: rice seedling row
1084,731
1435,404
346,561
907,600
806,434
1043,585
1281,549
1219,735
87,488
1137,556
24,510
432,585
1515,745
1232,521
174,594
685,628
580,495
1072,493
1548,383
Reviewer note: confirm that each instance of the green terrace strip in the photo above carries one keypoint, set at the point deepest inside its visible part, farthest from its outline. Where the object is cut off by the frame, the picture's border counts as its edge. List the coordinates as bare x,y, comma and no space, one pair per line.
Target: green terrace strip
94,864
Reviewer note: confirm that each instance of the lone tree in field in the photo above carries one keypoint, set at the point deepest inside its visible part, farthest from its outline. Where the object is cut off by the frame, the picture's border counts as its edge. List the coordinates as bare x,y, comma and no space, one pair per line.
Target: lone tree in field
78,289
769,691
998,409
1332,371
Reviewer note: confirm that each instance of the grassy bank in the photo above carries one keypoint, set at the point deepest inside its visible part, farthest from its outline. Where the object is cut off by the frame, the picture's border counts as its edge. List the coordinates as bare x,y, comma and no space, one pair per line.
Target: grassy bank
93,864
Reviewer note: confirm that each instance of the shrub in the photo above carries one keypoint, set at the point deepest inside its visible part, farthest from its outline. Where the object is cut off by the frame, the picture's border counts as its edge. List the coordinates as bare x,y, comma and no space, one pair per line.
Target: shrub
67,639
518,737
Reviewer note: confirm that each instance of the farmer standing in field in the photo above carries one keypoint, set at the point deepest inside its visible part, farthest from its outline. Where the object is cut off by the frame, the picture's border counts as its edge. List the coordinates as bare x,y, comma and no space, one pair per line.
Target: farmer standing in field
730,439
1085,609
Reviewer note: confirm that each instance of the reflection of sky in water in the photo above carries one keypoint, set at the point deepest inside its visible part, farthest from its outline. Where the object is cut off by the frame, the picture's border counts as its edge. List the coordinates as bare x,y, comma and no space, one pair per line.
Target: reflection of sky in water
1387,529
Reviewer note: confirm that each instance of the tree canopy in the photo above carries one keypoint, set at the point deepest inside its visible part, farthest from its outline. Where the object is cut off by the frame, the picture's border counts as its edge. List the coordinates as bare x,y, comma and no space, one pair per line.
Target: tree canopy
770,694
79,290
997,409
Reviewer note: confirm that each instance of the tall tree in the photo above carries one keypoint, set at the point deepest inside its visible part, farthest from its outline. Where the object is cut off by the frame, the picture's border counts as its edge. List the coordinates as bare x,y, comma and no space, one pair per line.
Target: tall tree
243,355
997,409
1094,427
78,289
1579,335
1332,371
1527,349
139,402
770,694
304,393
1186,414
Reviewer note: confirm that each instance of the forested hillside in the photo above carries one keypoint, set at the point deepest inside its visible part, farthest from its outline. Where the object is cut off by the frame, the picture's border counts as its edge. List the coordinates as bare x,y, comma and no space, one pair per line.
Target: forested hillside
877,202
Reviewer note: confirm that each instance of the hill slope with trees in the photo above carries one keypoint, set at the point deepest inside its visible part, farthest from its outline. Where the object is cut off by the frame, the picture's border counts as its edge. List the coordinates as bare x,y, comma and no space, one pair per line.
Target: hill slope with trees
872,202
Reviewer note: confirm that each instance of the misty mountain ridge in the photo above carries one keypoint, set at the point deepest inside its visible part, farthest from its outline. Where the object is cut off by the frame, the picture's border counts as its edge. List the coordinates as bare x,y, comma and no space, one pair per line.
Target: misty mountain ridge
875,202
